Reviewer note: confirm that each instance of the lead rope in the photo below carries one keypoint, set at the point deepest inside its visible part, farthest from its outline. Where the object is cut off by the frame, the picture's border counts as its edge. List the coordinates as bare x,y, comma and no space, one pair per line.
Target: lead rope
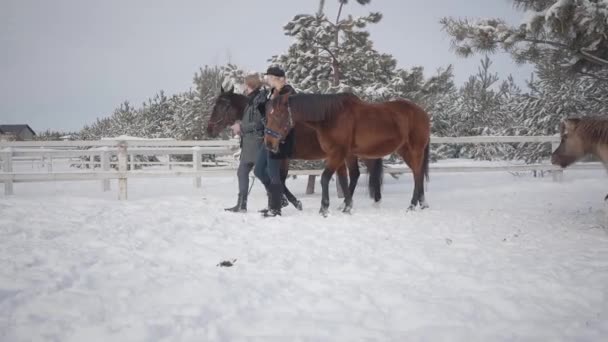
251,186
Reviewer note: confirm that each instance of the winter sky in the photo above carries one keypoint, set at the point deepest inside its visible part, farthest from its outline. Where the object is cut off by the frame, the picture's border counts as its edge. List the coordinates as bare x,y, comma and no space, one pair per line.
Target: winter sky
66,62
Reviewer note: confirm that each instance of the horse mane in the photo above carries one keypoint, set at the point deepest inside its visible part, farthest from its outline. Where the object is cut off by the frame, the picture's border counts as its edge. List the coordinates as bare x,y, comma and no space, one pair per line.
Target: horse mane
319,107
592,129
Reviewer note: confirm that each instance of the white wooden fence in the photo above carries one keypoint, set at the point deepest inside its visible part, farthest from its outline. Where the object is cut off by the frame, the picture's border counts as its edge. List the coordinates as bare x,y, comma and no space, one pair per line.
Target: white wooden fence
125,151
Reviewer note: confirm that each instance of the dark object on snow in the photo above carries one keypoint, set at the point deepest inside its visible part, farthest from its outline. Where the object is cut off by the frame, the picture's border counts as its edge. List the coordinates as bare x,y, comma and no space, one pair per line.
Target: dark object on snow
227,263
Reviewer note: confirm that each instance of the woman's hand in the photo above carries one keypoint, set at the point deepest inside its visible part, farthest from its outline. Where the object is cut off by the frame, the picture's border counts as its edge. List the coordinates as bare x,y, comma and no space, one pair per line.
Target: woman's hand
236,128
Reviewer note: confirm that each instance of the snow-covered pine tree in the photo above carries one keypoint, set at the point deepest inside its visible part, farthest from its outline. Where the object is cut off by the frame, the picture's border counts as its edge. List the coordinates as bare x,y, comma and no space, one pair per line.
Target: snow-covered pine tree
156,117
566,41
570,34
439,97
330,57
480,112
208,82
540,111
124,120
233,76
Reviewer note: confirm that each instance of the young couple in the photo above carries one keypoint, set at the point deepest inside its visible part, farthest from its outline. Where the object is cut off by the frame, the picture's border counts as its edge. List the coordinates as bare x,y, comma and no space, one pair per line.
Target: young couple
266,165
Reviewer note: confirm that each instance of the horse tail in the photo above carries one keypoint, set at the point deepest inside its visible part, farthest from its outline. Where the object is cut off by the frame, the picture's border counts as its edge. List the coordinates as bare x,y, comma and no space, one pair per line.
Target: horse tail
376,175
427,157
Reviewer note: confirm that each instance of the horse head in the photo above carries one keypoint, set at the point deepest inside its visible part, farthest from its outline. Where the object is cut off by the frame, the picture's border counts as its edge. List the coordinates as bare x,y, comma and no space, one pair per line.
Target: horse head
278,122
228,108
571,147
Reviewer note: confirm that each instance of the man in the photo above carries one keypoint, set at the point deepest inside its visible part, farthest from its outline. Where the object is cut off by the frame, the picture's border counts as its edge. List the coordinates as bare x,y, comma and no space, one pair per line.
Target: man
251,130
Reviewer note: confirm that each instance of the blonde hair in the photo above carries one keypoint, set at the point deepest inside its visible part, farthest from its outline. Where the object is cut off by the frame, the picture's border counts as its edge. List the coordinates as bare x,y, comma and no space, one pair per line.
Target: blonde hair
253,81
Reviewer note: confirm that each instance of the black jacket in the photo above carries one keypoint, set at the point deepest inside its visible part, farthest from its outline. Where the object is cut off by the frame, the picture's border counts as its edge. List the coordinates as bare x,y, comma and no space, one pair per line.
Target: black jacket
286,147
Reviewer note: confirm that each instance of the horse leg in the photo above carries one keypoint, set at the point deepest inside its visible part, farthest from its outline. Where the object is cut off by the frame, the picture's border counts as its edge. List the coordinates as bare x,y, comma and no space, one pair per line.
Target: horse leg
290,197
348,197
414,160
353,173
331,165
375,169
342,172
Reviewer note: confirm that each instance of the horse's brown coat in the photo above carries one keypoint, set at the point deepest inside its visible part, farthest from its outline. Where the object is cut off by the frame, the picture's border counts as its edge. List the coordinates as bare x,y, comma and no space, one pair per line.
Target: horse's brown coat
346,125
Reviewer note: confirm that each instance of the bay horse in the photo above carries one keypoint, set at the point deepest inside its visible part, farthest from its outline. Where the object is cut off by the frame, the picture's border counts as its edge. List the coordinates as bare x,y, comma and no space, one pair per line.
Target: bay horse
581,137
230,106
346,125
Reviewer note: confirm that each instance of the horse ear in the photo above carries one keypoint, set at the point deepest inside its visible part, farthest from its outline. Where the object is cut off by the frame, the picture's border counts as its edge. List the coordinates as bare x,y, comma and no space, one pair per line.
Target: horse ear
570,125
221,89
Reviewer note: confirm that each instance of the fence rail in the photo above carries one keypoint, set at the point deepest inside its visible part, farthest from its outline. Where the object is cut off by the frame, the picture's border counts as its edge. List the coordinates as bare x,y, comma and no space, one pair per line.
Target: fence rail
121,154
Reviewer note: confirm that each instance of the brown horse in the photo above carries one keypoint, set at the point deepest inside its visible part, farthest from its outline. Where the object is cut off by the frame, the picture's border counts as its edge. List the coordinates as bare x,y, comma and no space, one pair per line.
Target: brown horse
581,137
229,107
346,125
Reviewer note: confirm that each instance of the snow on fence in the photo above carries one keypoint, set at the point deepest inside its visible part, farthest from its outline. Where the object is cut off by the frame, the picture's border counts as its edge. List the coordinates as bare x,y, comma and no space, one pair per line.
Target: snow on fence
117,159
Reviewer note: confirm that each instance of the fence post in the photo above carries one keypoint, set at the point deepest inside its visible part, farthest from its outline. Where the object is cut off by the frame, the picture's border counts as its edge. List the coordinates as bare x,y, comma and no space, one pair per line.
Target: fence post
42,161
196,165
558,175
7,158
122,170
310,187
105,166
49,163
132,161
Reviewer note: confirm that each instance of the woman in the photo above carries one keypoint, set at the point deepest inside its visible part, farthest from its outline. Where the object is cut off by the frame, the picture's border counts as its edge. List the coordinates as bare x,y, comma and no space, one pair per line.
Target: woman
268,164
251,130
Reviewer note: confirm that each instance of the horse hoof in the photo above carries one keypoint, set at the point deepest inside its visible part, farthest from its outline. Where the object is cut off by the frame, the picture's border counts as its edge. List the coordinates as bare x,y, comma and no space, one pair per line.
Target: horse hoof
347,209
424,206
341,206
298,205
324,212
606,198
411,208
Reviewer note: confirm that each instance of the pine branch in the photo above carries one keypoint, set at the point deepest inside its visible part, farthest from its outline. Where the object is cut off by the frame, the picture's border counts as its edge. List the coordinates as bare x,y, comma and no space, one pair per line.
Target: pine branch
592,58
548,42
594,76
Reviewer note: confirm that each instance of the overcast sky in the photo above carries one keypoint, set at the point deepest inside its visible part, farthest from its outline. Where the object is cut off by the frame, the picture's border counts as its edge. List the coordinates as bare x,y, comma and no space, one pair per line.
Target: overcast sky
66,62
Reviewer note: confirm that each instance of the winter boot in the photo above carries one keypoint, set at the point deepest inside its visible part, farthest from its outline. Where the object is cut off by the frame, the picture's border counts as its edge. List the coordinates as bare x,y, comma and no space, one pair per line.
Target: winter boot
276,194
265,210
284,203
241,205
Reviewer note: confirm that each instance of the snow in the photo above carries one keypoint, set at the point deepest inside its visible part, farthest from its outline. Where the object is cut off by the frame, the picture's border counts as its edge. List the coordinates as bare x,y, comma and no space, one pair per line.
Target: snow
495,258
555,8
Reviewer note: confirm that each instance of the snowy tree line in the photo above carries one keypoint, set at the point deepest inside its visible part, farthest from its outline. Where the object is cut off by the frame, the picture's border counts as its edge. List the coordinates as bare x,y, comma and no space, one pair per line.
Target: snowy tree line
180,116
565,40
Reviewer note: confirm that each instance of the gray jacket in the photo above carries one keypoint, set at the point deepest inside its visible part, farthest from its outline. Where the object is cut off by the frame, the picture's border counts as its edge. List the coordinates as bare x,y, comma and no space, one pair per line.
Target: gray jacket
252,128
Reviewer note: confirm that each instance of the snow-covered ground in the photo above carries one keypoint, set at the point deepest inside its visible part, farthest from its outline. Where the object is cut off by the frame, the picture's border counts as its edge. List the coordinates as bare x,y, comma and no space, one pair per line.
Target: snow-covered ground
495,258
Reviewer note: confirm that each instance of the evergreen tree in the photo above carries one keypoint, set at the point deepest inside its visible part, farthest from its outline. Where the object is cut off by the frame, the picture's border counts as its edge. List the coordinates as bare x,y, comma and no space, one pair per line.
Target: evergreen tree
570,34
540,111
480,112
329,57
124,121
